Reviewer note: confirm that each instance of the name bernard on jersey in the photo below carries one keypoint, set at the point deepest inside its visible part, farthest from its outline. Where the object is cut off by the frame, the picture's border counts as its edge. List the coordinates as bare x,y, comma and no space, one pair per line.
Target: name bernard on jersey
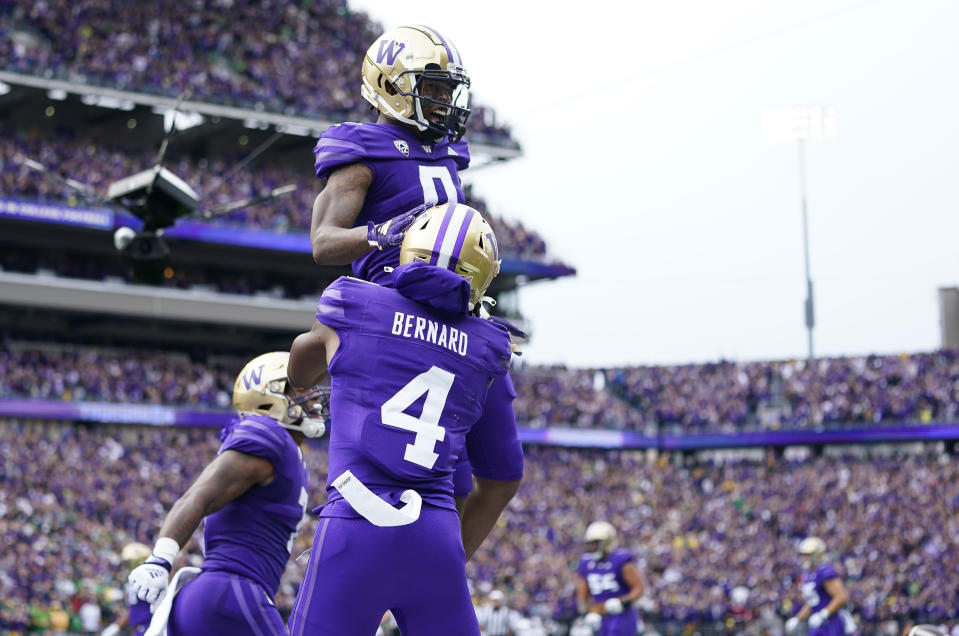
410,326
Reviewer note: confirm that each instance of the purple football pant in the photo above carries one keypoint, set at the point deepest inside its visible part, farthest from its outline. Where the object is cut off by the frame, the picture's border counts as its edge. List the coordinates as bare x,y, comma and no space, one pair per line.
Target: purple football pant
833,627
223,603
624,624
358,571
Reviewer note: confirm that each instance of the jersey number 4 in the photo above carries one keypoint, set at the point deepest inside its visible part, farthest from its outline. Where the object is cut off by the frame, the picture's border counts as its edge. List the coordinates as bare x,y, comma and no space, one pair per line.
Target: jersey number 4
436,384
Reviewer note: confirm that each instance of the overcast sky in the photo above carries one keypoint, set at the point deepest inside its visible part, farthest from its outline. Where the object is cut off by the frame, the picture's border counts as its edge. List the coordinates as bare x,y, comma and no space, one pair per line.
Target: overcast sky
645,166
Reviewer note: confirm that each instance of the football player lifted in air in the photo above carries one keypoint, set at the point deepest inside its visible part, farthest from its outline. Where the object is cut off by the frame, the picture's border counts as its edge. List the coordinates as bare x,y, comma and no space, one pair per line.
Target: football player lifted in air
253,496
609,583
410,369
824,594
409,160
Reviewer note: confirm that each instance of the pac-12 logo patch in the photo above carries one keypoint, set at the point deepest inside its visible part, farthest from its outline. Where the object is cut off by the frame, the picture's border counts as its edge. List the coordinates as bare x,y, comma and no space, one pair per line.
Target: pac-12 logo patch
402,146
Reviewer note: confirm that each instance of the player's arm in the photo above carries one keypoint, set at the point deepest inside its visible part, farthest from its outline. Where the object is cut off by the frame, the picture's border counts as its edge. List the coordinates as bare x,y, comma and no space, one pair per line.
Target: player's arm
224,479
837,599
482,508
582,595
635,582
838,593
332,236
310,355
496,456
113,629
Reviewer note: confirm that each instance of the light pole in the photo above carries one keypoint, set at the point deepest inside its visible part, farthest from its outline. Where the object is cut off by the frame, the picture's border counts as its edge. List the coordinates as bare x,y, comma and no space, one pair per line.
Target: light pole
799,123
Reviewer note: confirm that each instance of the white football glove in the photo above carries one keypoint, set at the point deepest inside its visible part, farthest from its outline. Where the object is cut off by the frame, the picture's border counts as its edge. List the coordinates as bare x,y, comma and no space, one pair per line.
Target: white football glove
149,579
792,625
613,606
593,620
818,618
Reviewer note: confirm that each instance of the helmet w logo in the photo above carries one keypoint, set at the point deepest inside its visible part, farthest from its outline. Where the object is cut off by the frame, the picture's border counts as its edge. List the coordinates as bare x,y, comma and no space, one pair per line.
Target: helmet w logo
253,378
389,51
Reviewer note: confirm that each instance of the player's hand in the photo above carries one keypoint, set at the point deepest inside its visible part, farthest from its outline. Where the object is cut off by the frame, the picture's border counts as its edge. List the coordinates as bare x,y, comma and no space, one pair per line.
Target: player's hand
510,327
391,233
792,625
818,618
613,606
149,579
593,620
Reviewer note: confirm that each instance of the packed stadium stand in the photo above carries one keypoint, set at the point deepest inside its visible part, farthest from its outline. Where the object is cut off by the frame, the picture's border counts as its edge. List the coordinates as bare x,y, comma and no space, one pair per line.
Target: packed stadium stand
264,56
699,528
112,393
850,392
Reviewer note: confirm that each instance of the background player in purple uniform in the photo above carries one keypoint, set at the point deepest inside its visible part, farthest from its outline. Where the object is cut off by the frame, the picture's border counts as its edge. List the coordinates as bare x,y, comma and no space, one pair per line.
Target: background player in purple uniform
410,159
823,593
610,579
136,617
410,369
253,496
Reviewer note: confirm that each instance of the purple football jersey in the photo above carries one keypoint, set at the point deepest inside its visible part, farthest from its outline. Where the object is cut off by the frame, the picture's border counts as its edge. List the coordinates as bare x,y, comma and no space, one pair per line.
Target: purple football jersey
814,586
408,383
815,595
407,172
252,535
604,577
402,181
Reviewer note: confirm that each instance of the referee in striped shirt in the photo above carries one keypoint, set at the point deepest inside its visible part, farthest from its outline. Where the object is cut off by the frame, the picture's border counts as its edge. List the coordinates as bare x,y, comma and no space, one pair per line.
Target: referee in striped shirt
498,619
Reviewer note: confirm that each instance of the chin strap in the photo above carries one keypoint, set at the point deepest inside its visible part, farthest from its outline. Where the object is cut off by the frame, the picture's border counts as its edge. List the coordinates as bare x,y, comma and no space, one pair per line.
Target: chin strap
309,426
482,310
481,307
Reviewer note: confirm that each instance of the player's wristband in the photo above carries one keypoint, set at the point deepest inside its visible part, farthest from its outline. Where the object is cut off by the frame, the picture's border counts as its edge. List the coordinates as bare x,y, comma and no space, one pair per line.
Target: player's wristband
166,549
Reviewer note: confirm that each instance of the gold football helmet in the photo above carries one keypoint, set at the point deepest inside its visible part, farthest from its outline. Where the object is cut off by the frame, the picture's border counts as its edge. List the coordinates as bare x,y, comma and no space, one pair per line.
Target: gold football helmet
262,388
455,237
398,71
600,535
133,554
813,550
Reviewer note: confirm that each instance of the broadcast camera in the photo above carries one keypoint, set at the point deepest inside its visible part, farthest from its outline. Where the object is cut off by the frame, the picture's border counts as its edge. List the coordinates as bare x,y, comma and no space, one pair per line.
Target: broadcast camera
158,198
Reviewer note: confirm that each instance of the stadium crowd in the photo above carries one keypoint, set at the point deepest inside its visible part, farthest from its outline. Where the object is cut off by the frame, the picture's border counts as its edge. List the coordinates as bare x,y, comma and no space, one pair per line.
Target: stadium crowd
104,374
712,397
65,523
281,57
702,529
698,529
734,396
97,164
874,389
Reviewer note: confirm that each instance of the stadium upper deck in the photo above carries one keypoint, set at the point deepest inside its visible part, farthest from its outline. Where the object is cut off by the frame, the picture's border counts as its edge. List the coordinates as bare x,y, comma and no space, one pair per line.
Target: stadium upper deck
295,59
